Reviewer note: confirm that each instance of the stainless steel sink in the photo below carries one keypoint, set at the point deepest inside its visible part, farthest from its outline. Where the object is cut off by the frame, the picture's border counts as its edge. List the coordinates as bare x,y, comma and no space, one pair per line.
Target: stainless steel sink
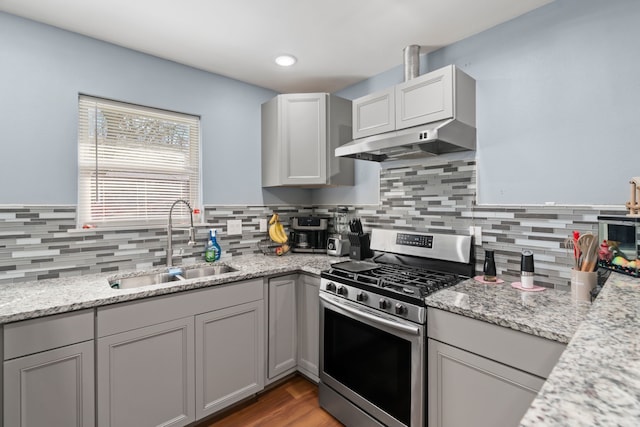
210,270
160,278
144,280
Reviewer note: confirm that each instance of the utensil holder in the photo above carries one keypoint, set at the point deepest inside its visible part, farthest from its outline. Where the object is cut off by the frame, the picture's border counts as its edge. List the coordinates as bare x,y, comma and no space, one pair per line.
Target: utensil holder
360,246
582,282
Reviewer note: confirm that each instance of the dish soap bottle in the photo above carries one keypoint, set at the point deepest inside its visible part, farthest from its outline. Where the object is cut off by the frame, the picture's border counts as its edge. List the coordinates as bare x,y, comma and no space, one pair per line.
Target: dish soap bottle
212,249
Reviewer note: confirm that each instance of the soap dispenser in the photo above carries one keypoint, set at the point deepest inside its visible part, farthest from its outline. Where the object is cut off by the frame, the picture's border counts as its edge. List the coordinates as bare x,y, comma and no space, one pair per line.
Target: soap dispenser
212,249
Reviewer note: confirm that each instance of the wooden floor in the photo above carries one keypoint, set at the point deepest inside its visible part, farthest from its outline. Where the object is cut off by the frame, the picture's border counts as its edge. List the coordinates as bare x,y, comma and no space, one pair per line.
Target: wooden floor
293,403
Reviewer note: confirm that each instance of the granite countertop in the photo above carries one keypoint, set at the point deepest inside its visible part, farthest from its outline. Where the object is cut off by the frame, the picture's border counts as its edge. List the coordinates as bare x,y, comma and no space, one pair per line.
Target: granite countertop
549,314
21,301
597,379
595,383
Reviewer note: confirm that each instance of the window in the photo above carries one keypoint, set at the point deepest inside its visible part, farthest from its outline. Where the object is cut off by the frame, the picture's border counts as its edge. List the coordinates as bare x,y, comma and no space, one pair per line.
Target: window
134,162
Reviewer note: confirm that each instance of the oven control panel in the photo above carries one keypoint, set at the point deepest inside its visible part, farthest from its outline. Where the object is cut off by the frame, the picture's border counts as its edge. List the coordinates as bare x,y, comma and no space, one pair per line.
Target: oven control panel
415,313
417,240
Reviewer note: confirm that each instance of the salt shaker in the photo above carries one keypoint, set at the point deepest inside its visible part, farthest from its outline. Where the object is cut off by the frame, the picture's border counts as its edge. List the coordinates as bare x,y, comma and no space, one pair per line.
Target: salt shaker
526,269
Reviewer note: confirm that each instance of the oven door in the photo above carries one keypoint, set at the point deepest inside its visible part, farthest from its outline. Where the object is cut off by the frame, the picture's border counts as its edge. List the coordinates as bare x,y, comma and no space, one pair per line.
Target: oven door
375,361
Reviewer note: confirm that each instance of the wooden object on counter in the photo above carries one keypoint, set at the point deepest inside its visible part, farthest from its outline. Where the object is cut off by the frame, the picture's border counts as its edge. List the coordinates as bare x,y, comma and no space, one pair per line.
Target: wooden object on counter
634,203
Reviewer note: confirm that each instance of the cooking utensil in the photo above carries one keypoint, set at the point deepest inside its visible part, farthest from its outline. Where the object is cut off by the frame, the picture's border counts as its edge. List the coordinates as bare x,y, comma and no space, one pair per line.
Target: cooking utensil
570,243
591,256
586,243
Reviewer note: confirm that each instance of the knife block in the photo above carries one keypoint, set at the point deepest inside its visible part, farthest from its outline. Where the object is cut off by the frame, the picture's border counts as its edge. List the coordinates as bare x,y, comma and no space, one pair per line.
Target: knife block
359,246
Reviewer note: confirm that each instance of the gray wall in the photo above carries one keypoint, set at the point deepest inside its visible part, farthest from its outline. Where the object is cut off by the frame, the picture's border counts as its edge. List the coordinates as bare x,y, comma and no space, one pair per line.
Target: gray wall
557,105
44,68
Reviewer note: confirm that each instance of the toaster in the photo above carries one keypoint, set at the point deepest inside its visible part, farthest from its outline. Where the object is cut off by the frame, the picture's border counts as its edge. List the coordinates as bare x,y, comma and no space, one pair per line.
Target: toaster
337,246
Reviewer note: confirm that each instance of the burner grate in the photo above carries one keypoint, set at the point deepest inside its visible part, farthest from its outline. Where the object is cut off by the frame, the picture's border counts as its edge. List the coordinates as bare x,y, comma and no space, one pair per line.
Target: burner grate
410,281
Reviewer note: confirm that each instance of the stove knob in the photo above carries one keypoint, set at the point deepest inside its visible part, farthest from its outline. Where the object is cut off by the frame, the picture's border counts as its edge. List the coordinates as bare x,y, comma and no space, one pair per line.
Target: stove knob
331,287
384,303
361,296
342,290
400,309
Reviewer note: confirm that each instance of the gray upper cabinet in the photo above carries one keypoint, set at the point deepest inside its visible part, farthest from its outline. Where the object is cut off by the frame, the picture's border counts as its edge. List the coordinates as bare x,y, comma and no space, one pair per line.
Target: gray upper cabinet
442,94
374,113
49,372
425,99
299,135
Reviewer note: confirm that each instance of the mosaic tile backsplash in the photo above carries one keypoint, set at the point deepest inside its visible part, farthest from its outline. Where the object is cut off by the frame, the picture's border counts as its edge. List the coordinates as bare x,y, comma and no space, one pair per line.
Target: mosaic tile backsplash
38,242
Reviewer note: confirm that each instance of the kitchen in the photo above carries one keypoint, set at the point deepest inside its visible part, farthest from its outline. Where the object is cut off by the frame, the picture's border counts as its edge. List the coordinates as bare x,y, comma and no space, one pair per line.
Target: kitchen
538,105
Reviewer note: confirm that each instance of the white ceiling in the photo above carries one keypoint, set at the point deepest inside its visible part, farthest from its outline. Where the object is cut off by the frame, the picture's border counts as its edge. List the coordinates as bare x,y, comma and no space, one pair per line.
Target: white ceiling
337,42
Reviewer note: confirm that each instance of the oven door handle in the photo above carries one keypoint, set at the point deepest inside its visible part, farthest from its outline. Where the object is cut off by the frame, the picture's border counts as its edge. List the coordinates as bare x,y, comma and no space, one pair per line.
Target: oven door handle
413,330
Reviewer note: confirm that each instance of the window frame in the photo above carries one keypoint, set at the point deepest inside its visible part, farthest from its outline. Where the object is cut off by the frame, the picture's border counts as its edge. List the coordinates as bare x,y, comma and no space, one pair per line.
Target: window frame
158,216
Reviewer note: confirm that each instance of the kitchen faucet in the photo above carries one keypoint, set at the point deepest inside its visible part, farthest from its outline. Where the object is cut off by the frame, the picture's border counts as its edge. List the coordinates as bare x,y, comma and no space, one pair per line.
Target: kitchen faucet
192,237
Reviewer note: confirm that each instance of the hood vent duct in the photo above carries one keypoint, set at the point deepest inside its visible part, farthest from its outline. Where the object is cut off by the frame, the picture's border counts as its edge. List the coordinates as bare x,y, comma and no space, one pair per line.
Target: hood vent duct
411,55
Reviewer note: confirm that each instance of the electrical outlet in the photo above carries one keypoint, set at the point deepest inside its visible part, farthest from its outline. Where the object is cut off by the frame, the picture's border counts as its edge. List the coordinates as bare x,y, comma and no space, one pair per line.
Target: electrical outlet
263,225
476,232
234,227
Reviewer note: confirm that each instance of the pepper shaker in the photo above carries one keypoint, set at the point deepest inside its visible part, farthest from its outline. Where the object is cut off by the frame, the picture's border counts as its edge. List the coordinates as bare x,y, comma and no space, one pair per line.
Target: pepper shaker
489,268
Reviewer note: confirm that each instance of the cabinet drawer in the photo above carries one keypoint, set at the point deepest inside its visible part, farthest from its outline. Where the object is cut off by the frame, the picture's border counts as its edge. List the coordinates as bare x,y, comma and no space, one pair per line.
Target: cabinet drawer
518,349
45,333
137,314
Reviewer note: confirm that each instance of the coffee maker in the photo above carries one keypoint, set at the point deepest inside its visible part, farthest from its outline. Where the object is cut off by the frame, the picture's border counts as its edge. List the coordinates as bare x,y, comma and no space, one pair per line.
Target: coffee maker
309,234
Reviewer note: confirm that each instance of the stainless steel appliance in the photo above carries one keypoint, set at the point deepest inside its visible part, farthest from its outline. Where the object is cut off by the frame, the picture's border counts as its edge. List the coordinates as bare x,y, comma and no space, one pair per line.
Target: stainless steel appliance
309,234
373,326
338,246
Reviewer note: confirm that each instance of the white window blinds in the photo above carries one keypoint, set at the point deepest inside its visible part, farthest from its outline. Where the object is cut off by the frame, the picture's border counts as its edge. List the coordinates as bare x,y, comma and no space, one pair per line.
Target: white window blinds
134,162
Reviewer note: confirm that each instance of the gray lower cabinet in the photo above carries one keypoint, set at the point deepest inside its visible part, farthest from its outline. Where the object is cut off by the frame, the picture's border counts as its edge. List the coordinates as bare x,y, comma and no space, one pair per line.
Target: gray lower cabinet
54,388
172,359
480,374
469,390
229,362
308,325
283,346
146,376
48,371
293,320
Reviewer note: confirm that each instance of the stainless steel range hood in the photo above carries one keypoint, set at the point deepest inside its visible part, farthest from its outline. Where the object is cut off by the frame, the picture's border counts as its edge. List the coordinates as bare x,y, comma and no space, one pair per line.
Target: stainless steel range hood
446,136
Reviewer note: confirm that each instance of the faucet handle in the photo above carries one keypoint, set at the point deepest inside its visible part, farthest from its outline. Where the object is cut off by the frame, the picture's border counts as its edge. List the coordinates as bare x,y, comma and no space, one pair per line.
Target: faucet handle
192,236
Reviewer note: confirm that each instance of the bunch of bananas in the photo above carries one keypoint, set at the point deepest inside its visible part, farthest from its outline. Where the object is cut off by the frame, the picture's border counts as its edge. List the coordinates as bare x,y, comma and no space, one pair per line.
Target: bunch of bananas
278,235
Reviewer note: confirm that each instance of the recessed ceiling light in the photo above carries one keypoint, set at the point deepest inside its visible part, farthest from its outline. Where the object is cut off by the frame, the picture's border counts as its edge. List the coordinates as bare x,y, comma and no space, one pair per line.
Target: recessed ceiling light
285,60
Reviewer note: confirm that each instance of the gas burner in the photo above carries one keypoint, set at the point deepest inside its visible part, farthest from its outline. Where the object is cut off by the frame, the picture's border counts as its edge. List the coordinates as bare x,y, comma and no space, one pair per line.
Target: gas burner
414,282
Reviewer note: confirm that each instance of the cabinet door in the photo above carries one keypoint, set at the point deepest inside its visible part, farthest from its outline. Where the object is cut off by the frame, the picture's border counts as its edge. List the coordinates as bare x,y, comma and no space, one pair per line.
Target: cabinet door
489,393
303,133
146,376
282,325
54,388
425,99
229,356
308,325
374,113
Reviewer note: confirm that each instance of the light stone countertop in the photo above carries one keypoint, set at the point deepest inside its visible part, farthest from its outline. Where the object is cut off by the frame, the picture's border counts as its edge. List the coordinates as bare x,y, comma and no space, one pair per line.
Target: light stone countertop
597,379
21,301
548,314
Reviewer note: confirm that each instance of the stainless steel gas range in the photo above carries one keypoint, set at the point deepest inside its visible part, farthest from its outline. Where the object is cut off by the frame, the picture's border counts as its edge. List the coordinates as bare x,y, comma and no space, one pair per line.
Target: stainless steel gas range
373,326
